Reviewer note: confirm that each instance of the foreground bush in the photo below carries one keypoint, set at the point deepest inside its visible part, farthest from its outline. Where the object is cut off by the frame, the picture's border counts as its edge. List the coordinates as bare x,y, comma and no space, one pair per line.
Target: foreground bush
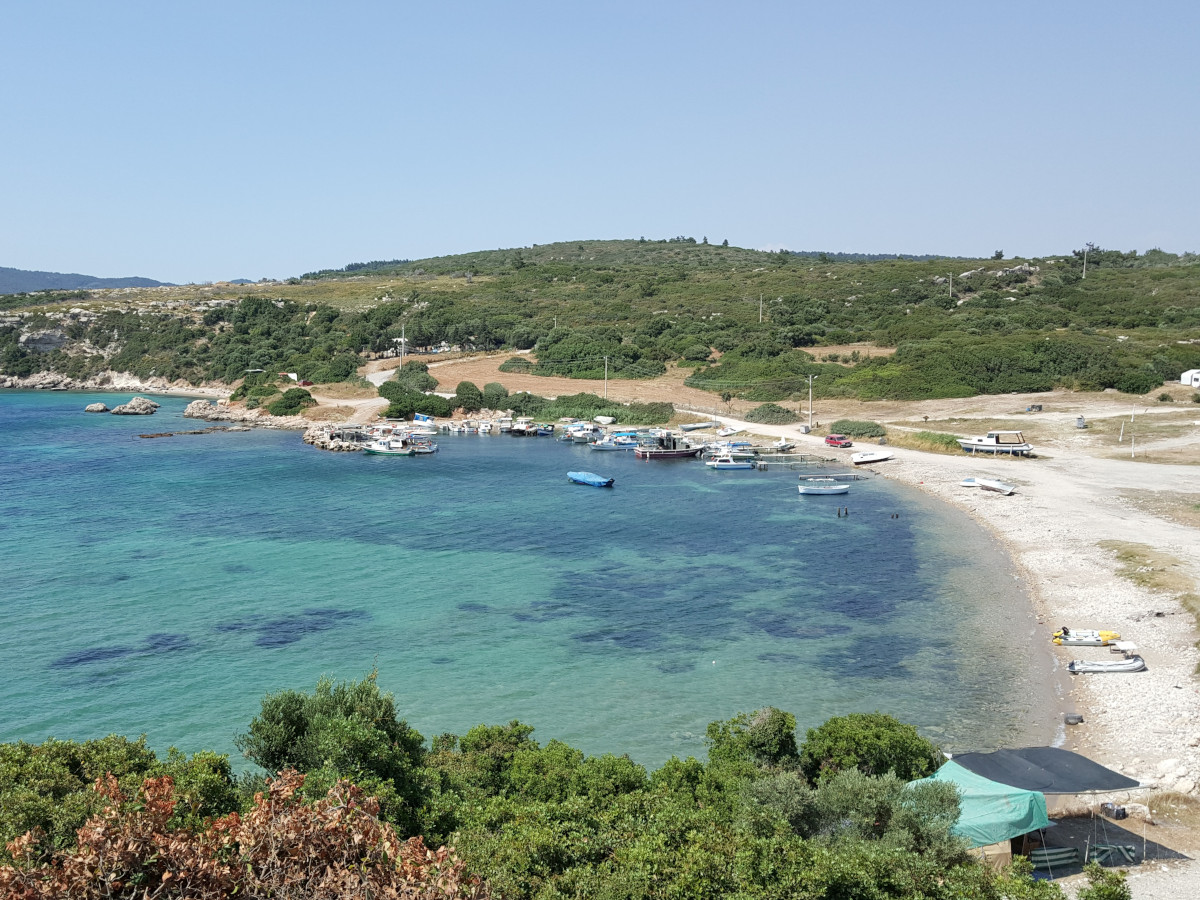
772,414
873,743
332,849
857,428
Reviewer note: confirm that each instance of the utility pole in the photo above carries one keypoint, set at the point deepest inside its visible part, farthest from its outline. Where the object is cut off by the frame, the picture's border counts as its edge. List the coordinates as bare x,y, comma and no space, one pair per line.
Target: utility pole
951,285
760,309
1086,248
402,342
810,381
606,378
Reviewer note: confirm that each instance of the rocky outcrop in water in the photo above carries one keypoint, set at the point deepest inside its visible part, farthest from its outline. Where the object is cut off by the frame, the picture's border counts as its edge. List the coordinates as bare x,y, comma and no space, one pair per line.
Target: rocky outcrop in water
138,406
321,437
95,407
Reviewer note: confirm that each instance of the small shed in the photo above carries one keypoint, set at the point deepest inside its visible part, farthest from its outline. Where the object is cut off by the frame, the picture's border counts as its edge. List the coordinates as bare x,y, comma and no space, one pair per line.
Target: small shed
1191,378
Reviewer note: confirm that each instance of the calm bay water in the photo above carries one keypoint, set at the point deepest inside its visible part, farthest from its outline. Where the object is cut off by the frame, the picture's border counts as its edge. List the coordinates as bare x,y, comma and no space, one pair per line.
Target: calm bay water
164,586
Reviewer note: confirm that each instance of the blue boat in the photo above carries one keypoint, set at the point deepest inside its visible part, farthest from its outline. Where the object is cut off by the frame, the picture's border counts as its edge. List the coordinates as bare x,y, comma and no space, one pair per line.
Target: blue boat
590,478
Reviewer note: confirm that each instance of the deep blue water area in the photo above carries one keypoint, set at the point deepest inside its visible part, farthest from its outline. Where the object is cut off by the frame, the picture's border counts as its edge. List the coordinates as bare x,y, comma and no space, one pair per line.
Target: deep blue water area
164,586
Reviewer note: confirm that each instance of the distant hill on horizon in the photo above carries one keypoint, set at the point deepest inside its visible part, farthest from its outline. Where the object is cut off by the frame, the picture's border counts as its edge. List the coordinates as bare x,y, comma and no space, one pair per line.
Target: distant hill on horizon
24,281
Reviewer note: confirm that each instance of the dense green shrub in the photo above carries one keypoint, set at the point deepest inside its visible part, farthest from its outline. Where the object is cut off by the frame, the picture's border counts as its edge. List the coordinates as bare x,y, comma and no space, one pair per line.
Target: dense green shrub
772,414
293,401
468,397
495,396
857,428
519,364
415,377
874,743
343,730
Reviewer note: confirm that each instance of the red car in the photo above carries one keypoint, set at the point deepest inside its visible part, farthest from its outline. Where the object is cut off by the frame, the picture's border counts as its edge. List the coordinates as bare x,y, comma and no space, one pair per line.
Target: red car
838,440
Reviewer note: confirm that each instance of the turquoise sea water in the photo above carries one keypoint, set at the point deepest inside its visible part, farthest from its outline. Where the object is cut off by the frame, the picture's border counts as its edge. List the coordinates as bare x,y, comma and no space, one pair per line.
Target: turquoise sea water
164,586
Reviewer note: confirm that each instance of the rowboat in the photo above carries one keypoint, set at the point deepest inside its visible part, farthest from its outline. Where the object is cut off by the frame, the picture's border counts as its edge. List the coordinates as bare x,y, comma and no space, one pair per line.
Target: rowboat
823,486
1084,637
1082,666
590,478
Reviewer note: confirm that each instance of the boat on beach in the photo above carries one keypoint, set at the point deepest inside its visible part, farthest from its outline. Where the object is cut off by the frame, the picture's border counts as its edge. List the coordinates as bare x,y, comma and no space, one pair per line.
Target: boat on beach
1084,666
1010,442
696,426
821,486
866,457
590,478
1085,637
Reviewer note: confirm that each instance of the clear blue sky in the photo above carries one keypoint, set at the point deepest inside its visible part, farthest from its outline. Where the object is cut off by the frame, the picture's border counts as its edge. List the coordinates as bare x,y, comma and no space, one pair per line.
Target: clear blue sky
206,141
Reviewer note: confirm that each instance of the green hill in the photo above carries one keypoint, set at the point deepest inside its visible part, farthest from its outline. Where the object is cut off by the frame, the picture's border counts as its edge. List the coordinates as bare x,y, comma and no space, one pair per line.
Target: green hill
751,323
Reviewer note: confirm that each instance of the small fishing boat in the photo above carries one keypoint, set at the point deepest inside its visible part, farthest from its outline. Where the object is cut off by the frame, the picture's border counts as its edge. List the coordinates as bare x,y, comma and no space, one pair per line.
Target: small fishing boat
389,447
590,478
696,426
424,448
823,486
729,462
666,446
866,457
1085,637
1083,666
729,430
545,429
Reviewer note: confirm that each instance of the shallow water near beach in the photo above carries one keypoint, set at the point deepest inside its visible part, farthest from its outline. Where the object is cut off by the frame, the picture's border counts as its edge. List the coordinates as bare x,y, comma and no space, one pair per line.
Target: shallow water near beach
164,586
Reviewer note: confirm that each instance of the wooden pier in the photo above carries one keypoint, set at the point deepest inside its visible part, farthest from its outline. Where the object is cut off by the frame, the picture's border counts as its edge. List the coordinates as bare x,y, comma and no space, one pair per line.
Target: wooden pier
794,461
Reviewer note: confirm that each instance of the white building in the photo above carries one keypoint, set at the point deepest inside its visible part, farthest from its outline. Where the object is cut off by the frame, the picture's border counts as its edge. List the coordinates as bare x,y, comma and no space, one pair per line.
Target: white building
1191,378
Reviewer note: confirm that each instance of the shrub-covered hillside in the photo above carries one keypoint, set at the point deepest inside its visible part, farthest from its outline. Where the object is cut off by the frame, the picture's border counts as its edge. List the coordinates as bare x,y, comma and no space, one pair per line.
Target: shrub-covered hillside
750,323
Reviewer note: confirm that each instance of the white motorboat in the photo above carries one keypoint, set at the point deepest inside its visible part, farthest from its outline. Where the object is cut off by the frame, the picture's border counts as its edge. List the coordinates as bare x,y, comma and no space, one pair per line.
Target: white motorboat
729,430
730,462
1131,664
866,457
390,447
823,486
1011,442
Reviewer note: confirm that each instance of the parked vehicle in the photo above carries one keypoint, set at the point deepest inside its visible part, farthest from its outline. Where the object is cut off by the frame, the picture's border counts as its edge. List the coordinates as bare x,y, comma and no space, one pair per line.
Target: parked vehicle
838,440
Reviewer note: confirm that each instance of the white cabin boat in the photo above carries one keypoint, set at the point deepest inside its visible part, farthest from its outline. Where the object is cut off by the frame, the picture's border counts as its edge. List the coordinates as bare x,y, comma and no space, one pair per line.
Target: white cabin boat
730,462
1011,442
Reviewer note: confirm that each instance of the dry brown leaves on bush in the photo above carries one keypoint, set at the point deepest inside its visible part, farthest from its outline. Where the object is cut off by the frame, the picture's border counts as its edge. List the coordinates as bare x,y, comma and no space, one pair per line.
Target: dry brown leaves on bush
282,848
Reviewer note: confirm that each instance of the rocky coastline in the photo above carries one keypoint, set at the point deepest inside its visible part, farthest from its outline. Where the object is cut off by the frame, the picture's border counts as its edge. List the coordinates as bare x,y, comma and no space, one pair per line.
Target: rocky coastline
224,412
111,381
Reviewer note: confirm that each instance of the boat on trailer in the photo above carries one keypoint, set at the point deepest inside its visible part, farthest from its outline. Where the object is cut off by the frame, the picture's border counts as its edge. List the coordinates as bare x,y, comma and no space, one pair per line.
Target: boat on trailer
1011,442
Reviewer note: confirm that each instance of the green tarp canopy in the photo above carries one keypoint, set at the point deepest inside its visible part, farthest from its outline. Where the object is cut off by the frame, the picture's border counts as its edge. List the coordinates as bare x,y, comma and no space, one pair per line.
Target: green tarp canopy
992,812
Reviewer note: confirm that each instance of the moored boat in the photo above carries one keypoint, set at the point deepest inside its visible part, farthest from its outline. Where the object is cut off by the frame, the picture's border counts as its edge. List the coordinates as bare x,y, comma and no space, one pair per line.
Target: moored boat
823,486
727,461
389,447
667,446
590,478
